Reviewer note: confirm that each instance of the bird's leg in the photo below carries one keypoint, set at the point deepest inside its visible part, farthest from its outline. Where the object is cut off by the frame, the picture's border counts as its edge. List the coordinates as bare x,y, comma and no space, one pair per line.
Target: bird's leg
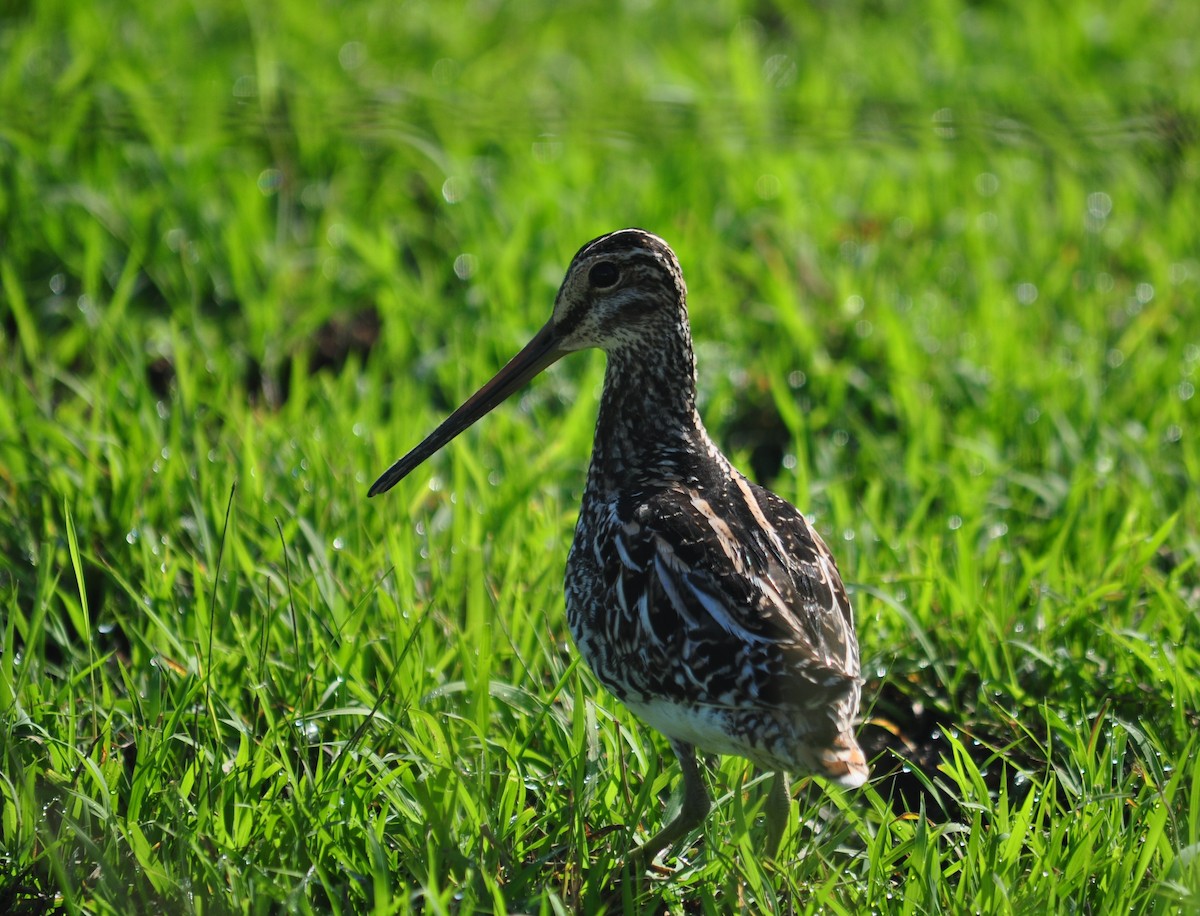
779,805
694,807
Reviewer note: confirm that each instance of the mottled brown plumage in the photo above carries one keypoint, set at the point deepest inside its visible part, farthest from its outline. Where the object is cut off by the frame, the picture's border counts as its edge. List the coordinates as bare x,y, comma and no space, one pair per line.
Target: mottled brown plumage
706,604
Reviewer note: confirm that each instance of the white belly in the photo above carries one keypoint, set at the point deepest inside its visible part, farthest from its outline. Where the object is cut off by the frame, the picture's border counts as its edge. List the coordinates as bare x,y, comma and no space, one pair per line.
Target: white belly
705,728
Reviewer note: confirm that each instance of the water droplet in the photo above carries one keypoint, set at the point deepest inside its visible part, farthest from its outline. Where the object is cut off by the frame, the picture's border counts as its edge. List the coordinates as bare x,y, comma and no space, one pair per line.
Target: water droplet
246,87
352,55
1099,205
453,190
767,187
269,181
464,266
986,184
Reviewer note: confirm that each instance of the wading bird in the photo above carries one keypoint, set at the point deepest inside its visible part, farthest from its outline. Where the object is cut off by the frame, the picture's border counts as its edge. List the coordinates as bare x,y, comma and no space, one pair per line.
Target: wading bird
708,605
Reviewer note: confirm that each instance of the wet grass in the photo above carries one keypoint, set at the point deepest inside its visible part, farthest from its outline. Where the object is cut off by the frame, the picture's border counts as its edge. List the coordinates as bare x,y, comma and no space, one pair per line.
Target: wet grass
944,278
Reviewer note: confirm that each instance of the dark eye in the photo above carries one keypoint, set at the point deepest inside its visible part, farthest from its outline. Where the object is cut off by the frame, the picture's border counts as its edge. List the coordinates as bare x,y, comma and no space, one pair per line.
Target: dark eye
603,275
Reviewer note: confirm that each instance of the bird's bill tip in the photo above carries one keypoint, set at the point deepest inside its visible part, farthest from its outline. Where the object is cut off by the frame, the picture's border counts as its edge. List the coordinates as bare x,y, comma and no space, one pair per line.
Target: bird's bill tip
540,352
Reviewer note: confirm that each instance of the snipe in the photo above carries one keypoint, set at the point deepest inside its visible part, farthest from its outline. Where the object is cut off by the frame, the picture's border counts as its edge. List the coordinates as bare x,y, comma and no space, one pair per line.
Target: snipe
708,605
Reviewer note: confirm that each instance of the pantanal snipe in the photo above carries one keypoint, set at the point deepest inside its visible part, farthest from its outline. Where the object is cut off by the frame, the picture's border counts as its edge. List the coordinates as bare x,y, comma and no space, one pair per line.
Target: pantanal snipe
708,605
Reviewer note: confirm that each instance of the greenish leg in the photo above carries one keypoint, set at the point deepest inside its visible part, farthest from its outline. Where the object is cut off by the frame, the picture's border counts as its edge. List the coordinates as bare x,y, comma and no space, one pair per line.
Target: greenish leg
779,805
692,811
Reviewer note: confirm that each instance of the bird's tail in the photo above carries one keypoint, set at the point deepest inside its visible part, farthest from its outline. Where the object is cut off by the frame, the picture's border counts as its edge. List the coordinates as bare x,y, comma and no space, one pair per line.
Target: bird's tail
844,762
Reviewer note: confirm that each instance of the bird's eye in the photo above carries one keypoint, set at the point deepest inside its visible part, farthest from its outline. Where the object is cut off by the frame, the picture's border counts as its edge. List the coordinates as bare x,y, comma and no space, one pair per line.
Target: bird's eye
603,275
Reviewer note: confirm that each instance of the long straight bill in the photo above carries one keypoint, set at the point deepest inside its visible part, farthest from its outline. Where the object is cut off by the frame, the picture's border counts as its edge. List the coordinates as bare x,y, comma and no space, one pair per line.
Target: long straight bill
536,356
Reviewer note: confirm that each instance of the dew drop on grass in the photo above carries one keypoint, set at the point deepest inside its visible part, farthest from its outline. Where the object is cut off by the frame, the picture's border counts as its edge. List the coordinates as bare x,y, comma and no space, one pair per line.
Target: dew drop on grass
269,181
767,187
352,55
1099,205
986,184
245,87
339,543
132,536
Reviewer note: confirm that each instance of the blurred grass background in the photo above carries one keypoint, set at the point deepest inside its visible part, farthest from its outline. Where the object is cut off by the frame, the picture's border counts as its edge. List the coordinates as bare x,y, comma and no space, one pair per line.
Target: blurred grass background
944,270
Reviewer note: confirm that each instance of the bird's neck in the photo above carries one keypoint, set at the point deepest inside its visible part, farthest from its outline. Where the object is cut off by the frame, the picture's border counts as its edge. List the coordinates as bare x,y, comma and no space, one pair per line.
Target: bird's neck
648,428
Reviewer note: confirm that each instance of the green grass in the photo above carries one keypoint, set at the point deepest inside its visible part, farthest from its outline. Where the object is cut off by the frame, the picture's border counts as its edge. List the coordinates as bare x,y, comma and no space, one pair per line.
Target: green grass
944,272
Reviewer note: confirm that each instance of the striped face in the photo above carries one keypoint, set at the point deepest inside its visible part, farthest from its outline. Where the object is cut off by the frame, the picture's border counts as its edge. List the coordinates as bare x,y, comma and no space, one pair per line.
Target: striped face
622,290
